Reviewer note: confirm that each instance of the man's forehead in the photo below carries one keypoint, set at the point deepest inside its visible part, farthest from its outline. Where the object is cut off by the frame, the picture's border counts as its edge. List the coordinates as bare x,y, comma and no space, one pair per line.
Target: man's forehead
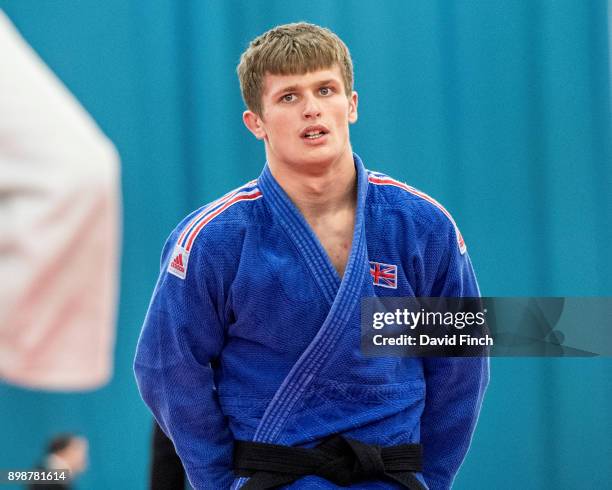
275,83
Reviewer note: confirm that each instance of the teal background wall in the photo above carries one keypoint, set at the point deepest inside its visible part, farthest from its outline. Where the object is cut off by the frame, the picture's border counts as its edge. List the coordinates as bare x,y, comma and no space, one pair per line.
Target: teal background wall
500,110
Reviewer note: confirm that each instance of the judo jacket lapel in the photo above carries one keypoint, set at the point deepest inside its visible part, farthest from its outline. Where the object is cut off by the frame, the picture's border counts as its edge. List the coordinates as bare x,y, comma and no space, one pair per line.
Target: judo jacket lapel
342,295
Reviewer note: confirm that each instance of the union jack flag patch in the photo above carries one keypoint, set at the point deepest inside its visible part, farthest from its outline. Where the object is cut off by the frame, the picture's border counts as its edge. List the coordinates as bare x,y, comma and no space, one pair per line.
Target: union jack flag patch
383,275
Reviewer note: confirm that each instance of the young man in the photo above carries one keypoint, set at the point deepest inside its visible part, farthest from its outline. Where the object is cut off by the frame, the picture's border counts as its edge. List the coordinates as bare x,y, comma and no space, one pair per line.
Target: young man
253,333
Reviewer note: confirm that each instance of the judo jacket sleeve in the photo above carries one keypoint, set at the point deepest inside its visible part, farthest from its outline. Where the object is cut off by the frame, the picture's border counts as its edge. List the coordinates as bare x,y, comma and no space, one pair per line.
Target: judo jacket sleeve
182,335
59,229
454,386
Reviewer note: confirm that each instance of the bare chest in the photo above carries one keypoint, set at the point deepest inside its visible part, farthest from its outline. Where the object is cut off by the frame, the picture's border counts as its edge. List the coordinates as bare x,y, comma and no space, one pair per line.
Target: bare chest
336,236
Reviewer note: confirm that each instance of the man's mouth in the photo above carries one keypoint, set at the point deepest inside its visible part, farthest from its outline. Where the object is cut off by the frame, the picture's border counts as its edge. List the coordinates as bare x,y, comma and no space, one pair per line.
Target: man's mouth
314,132
313,136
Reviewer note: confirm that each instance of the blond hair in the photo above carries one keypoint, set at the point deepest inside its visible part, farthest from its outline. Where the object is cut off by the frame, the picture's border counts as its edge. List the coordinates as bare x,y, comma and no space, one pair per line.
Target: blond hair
291,49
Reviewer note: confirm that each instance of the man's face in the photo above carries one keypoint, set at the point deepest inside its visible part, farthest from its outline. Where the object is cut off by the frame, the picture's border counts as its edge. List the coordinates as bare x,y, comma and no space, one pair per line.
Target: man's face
305,119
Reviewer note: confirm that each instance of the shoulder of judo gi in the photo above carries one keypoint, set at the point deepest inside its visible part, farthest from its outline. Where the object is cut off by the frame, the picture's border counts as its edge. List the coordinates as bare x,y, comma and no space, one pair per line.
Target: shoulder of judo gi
213,233
422,210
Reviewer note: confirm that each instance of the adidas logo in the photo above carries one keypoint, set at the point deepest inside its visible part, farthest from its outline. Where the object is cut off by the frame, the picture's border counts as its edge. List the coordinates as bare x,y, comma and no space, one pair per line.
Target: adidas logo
177,264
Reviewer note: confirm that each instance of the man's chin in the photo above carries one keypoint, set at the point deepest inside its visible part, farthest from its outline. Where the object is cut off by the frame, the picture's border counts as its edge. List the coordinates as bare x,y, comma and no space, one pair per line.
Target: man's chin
319,158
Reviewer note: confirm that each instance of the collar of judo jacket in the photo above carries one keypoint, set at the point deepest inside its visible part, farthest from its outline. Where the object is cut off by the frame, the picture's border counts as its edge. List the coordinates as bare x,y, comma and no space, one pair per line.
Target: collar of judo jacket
342,295
301,233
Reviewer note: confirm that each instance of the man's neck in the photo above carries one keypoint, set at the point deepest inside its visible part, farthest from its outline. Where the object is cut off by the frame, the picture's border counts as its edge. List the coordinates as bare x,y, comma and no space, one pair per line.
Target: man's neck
319,191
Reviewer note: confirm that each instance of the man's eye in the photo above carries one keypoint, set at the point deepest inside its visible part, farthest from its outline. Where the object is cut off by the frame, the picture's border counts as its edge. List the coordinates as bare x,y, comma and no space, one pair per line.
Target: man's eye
325,91
288,98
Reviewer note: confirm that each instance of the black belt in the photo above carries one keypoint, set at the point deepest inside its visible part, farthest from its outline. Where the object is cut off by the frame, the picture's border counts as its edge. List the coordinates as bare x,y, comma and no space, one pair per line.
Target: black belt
338,459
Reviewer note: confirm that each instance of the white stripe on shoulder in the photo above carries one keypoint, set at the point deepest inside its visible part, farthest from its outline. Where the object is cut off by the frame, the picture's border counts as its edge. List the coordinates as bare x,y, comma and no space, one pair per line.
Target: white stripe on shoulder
180,256
209,208
245,195
377,178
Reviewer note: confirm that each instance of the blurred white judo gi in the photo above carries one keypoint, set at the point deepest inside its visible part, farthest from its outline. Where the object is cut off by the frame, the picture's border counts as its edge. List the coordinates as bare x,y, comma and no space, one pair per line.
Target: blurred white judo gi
59,229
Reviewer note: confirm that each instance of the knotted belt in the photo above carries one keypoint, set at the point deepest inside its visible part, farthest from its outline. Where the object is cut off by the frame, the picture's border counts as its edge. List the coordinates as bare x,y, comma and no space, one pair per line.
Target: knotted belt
338,459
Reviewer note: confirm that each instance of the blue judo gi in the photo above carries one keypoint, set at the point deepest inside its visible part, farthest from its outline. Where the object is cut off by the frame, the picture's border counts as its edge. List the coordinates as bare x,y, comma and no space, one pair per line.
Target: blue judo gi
252,335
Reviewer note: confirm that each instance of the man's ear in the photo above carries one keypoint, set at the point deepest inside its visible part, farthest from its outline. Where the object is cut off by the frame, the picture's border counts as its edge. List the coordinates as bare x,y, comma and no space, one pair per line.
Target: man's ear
254,124
353,101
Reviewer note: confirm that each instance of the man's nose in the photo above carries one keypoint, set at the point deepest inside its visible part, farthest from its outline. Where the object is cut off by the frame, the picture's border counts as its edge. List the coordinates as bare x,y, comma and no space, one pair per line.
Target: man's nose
312,109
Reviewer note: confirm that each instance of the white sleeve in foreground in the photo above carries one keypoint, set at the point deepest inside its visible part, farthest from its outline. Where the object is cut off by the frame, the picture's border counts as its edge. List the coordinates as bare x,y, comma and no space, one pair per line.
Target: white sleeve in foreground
59,229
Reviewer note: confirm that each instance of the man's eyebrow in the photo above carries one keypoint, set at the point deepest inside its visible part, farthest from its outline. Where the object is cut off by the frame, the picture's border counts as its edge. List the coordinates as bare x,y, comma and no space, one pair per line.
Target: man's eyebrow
293,88
290,88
